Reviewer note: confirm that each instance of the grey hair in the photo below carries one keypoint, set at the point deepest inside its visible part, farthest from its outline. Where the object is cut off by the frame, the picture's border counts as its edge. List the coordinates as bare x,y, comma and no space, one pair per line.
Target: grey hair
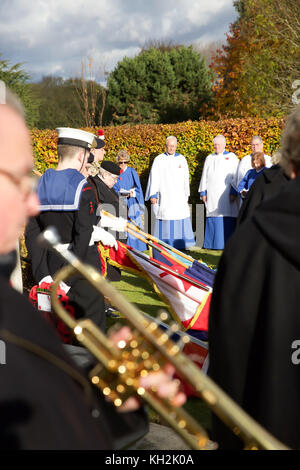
123,155
12,100
276,157
256,137
102,172
219,137
171,137
290,143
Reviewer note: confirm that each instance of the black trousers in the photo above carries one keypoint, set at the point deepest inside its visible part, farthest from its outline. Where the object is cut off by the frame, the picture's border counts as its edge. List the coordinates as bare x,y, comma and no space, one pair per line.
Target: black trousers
87,302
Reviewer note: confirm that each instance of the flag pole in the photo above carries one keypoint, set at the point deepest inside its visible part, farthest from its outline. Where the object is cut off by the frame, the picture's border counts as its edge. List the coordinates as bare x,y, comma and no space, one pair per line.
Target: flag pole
142,239
171,271
151,237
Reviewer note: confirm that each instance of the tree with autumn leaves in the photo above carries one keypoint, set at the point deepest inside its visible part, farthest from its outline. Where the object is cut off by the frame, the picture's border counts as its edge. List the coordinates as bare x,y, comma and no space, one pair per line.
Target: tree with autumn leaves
257,70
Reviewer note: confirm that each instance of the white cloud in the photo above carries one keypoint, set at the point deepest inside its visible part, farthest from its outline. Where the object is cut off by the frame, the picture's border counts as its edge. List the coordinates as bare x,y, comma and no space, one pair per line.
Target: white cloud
54,36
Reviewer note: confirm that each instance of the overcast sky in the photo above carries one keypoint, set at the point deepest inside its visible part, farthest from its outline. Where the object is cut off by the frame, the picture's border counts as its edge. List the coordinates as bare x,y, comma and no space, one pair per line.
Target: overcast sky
53,37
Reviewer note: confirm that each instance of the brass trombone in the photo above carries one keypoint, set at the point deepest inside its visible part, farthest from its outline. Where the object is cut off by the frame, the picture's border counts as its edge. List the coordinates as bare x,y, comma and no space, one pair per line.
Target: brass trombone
118,370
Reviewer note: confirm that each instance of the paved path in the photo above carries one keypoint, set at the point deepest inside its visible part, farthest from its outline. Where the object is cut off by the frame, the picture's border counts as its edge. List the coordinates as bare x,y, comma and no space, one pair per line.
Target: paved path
161,438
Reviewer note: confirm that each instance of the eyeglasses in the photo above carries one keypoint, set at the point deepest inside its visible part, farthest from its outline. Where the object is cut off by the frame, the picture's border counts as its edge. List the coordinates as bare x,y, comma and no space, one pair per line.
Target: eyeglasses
27,184
122,163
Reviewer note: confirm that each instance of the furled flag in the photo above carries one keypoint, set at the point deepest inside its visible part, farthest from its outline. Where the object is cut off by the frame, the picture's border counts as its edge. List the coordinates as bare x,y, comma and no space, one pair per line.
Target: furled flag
197,270
187,298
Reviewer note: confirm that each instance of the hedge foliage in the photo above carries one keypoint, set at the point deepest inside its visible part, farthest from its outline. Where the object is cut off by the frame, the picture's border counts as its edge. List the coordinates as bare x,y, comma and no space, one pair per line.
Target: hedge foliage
144,142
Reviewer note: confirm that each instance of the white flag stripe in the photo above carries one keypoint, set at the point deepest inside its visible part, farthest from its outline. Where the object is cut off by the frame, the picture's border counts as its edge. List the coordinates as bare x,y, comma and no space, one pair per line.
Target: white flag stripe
184,303
184,307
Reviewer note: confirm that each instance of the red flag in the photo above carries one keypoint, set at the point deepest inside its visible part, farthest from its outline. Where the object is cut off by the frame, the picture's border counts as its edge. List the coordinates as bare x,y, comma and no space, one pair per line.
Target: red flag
118,258
187,299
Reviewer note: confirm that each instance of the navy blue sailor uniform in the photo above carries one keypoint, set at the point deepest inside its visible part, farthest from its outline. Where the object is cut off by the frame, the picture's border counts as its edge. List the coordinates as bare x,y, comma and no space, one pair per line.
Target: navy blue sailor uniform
68,203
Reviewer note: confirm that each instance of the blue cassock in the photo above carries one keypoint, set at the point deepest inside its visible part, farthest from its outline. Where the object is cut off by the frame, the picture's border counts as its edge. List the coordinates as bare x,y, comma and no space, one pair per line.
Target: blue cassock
249,179
128,180
60,190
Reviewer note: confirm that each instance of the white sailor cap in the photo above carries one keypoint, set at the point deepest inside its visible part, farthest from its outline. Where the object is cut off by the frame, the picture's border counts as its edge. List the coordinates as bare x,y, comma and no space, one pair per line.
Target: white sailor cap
75,137
100,133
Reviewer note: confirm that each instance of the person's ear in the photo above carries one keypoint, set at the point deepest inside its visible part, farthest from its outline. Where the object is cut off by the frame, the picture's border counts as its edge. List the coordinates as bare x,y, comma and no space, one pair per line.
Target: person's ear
293,171
80,156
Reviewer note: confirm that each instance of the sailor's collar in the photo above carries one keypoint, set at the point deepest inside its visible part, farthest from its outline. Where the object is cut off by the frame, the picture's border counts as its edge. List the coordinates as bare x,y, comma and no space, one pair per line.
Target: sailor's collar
60,190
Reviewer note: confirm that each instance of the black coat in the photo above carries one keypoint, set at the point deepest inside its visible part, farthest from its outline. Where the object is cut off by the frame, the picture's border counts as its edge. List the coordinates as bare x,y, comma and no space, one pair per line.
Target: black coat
266,186
109,201
254,318
74,227
45,401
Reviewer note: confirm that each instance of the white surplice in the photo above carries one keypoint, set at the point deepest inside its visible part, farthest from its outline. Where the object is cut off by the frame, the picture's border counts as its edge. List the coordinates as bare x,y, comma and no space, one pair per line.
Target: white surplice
219,174
169,179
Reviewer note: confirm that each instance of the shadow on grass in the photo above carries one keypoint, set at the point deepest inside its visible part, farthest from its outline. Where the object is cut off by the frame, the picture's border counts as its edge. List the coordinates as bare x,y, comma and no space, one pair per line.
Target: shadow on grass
139,284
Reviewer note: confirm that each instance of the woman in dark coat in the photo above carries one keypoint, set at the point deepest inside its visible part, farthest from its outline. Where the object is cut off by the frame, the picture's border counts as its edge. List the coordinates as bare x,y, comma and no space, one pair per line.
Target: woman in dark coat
109,201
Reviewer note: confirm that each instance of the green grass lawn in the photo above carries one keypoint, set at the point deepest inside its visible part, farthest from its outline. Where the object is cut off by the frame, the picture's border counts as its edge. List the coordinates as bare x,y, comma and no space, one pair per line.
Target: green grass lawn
139,292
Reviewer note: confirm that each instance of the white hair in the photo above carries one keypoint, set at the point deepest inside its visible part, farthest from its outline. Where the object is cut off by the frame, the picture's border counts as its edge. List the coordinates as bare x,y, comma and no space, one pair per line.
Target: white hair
219,137
256,137
170,138
101,171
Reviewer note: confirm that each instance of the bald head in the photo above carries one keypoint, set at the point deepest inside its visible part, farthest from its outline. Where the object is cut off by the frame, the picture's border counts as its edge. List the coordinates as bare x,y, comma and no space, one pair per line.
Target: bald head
15,144
17,202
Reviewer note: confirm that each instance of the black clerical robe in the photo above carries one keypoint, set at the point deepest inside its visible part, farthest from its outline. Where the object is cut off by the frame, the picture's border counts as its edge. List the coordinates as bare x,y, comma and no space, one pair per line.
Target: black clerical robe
254,319
266,186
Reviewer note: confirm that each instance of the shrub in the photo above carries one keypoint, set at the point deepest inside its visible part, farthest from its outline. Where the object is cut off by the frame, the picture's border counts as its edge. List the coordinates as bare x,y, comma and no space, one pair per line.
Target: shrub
143,142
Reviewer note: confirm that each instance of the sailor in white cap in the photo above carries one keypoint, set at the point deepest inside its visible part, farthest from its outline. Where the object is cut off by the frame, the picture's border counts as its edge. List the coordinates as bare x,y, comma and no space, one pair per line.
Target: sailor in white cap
68,202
